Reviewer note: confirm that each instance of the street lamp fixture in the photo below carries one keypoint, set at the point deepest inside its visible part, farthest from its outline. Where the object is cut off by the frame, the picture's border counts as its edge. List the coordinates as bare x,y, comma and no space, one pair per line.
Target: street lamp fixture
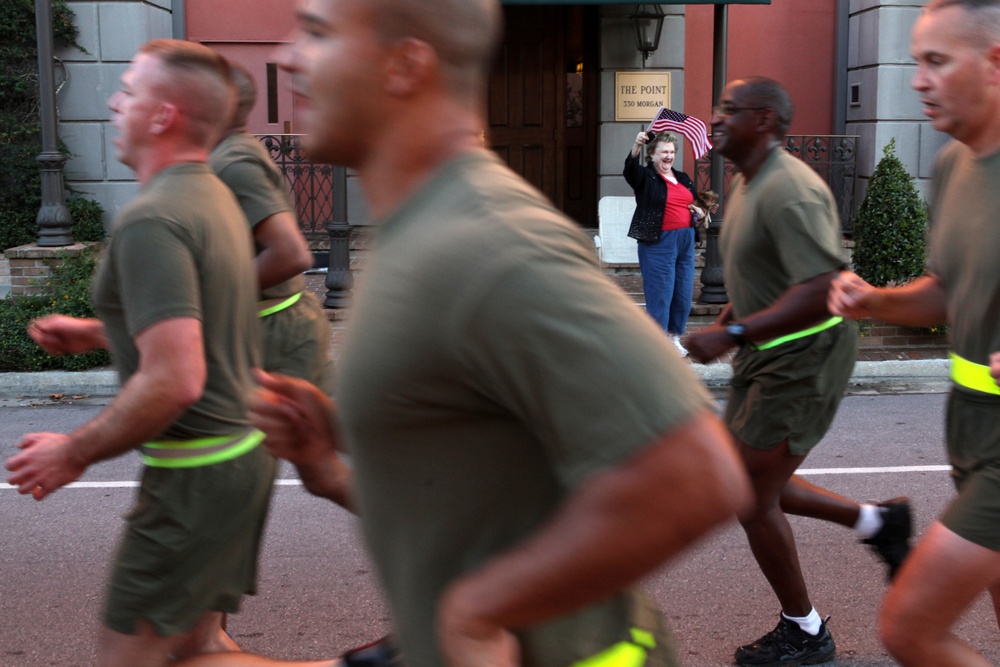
54,219
647,22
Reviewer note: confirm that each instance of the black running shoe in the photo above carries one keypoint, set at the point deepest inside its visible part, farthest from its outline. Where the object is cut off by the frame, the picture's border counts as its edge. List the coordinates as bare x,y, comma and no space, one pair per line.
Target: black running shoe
892,542
788,645
379,653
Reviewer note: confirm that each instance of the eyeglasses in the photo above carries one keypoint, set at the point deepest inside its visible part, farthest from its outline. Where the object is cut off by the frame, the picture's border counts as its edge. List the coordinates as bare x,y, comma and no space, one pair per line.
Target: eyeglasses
727,110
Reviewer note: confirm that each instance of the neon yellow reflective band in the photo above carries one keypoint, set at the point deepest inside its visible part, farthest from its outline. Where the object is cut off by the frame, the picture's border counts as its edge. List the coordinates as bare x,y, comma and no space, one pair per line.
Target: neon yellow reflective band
281,305
643,638
200,452
832,322
972,375
622,654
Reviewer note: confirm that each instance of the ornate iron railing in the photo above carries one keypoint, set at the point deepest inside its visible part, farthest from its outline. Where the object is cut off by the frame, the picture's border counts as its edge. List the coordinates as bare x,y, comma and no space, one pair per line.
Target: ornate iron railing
832,156
310,183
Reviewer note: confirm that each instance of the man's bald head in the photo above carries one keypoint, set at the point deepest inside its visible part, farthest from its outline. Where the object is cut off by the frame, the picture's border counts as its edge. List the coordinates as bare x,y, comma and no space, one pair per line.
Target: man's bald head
197,81
465,34
760,91
246,94
982,18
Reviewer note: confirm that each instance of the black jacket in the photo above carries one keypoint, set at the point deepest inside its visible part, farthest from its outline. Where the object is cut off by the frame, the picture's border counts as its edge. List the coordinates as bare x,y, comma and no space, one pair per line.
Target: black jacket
650,197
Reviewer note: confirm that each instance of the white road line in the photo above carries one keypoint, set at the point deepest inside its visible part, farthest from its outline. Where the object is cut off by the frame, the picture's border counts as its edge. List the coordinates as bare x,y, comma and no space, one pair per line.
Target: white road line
801,471
870,471
132,485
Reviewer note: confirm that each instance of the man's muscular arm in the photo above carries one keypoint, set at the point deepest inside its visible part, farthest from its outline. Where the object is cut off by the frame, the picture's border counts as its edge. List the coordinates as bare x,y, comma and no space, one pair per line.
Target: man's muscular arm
62,334
170,378
801,306
615,528
919,303
284,252
302,427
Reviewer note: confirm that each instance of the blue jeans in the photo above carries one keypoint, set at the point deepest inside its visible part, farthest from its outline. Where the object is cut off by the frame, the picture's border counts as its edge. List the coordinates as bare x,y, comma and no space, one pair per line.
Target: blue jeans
667,268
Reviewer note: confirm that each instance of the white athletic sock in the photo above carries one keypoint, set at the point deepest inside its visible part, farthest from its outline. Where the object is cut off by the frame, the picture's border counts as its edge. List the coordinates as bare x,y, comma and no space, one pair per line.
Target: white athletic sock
869,521
810,623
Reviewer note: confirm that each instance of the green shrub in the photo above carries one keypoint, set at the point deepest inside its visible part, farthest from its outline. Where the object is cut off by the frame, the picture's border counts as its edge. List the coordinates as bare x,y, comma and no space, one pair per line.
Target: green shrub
87,219
66,292
17,351
20,182
19,53
890,232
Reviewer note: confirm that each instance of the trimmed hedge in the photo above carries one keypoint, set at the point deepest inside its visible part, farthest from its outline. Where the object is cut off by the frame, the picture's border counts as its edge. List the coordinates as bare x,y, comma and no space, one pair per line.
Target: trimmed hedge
67,292
88,217
890,232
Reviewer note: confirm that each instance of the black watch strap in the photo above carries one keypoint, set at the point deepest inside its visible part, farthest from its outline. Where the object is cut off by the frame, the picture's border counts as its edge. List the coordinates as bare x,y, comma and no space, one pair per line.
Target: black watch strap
738,333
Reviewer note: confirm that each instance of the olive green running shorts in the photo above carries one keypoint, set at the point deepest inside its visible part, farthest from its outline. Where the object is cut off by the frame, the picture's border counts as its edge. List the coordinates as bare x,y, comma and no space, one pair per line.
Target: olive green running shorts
190,545
973,436
297,340
791,391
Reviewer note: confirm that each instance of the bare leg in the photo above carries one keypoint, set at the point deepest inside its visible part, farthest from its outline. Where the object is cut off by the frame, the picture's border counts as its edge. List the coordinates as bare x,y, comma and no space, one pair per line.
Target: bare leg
143,649
941,578
767,529
995,596
209,636
803,498
147,649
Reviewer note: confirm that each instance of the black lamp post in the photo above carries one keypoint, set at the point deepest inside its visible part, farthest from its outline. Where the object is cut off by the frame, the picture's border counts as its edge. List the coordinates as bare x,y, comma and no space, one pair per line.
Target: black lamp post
339,279
54,219
713,282
647,22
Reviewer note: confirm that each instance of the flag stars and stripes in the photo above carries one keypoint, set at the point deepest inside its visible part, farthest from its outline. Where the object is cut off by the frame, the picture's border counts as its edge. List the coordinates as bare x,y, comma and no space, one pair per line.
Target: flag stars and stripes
689,127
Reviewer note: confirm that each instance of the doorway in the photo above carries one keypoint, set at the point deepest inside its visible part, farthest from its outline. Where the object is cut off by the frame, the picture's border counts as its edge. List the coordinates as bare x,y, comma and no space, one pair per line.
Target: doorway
543,103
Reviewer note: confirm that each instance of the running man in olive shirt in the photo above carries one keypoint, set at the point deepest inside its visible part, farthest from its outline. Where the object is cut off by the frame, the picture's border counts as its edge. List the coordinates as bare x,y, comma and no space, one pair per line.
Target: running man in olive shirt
294,329
521,452
781,247
176,295
956,44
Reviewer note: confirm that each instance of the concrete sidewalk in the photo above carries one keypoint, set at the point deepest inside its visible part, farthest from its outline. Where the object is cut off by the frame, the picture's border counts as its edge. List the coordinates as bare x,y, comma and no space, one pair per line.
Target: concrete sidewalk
899,370
915,376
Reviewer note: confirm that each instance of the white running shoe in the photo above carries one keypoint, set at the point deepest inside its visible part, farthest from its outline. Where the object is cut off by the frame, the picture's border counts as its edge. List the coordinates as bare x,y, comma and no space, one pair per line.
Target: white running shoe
676,340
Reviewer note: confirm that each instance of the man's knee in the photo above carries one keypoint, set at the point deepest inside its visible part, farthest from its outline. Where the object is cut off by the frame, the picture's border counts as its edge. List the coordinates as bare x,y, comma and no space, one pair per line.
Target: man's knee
762,512
769,472
896,632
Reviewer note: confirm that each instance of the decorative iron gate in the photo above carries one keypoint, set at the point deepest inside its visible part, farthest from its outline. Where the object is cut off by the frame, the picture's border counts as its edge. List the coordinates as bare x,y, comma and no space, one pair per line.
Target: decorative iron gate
832,156
310,183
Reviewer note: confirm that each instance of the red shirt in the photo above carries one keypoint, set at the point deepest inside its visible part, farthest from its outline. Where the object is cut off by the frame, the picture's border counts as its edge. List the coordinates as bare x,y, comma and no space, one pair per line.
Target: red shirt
676,214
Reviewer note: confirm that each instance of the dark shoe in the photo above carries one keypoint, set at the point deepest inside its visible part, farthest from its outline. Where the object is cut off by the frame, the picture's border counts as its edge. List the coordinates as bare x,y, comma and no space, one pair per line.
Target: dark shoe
892,542
380,653
788,645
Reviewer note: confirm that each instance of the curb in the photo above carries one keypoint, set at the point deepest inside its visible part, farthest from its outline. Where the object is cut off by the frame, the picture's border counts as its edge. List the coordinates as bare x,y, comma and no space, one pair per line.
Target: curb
71,383
916,376
890,377
924,375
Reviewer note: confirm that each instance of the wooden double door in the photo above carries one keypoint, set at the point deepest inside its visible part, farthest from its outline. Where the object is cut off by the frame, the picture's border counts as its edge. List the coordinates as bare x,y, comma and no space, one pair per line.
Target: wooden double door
543,103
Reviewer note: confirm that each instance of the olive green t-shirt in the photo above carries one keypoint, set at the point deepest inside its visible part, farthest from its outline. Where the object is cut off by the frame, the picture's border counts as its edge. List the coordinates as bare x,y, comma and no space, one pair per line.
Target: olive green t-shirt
964,247
181,249
489,370
242,163
780,229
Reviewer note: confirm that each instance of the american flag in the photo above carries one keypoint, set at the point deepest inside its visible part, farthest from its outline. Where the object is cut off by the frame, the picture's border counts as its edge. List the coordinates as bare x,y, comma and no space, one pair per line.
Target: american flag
693,129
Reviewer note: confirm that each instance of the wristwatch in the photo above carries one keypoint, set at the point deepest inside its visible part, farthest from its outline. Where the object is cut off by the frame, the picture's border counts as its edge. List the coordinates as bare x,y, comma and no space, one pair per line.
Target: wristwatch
738,333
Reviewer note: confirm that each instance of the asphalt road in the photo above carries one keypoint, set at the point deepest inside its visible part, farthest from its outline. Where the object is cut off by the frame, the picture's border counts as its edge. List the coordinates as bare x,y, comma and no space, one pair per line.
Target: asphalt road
318,596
